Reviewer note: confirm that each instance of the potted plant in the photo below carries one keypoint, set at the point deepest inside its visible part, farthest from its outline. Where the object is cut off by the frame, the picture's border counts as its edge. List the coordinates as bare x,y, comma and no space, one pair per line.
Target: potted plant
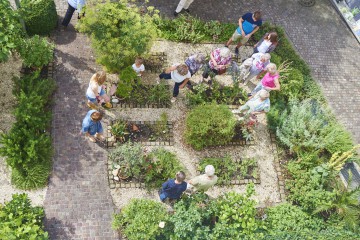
119,130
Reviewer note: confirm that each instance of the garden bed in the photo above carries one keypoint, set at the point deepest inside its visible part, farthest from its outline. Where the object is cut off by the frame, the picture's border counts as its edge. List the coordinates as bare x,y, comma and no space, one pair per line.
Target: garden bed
155,62
149,133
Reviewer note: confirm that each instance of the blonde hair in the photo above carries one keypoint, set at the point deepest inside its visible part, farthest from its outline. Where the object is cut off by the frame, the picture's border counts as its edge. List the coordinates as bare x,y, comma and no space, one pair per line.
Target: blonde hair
139,60
99,77
225,52
182,69
271,68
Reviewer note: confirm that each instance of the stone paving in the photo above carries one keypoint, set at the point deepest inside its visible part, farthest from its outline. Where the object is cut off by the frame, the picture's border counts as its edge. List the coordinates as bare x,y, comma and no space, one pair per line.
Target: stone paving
78,204
318,33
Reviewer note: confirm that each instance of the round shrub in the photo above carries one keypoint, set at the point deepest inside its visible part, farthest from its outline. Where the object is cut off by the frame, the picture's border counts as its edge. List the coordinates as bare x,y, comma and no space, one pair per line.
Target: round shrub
39,15
209,125
140,219
36,52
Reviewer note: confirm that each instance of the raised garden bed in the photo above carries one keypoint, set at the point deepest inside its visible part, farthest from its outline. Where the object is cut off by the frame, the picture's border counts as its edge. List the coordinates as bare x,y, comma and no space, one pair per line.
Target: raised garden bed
155,62
149,133
233,171
46,71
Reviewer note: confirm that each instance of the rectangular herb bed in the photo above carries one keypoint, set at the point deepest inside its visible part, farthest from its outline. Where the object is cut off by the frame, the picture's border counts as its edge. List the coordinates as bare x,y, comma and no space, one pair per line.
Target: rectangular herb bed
129,183
45,72
229,170
141,98
155,62
144,132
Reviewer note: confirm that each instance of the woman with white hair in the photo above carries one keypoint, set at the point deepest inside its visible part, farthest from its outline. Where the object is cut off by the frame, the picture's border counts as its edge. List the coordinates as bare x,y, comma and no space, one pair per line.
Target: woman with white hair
205,181
270,82
260,103
255,65
220,59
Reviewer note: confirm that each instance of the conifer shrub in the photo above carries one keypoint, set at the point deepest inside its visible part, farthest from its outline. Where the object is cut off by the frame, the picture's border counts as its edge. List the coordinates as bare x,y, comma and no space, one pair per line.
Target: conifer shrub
39,15
119,32
209,125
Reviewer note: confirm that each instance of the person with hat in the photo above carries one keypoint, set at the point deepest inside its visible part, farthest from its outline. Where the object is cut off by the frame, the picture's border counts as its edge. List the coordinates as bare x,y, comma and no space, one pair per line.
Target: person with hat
203,182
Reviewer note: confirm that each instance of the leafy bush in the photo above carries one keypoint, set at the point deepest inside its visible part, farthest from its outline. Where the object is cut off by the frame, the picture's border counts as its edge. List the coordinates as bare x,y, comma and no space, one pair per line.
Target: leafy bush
337,138
19,220
128,78
28,146
39,15
159,94
162,165
36,52
209,125
289,218
140,219
312,90
118,32
291,86
10,29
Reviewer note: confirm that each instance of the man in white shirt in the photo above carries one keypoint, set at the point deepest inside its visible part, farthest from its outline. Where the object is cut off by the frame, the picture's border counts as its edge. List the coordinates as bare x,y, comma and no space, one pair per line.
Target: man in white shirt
205,181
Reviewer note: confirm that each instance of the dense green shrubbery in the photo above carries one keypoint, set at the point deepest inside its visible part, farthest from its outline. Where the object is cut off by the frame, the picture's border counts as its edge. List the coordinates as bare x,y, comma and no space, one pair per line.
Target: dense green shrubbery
19,220
10,29
140,219
209,125
36,52
39,15
28,146
118,32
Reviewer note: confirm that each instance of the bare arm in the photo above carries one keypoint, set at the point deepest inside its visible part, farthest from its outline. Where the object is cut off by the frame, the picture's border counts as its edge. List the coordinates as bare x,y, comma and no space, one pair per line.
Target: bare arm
253,31
184,83
240,26
169,69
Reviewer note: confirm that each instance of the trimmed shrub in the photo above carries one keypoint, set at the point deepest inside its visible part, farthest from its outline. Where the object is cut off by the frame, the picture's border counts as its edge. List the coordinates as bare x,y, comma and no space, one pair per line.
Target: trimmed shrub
36,52
209,125
118,32
39,15
140,219
19,220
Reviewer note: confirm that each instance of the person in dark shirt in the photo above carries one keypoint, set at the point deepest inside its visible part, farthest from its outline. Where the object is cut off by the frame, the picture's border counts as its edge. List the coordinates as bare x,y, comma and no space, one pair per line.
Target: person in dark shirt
173,188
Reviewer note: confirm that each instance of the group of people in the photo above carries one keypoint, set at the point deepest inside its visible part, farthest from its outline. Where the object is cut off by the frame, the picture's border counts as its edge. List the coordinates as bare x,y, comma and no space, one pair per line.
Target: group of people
174,188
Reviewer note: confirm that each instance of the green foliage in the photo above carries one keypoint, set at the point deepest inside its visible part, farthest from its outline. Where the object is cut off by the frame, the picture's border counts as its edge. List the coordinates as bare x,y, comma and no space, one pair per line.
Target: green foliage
209,125
236,216
187,28
36,52
130,157
119,130
312,90
128,79
19,220
28,146
159,94
289,218
162,165
203,93
118,32
140,219
39,15
338,139
276,59
10,29
291,86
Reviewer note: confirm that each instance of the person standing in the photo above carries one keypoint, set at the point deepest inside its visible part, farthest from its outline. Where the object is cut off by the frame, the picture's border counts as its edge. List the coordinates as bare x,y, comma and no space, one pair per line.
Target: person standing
92,127
220,59
173,188
183,4
72,6
255,65
270,82
205,181
249,23
267,43
180,74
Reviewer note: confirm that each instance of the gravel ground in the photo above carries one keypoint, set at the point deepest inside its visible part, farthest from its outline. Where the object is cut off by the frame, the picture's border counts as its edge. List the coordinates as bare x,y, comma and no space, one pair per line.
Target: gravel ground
8,70
266,192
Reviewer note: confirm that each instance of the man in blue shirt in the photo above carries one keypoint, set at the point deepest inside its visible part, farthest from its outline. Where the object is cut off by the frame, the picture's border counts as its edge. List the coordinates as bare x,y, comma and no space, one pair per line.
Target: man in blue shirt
173,188
249,23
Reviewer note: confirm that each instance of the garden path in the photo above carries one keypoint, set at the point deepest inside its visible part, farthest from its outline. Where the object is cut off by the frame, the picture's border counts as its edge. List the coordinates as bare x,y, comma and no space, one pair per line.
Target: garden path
78,204
319,35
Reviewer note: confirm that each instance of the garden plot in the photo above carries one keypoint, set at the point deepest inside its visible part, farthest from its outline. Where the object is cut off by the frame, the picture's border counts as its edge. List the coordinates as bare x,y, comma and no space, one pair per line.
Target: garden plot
262,150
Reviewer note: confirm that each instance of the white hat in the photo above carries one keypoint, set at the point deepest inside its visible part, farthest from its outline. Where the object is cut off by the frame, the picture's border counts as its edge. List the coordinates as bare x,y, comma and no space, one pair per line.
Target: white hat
209,170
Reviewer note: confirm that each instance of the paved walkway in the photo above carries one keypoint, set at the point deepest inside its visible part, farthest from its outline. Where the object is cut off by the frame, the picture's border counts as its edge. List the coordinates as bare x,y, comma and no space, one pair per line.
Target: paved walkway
78,204
318,33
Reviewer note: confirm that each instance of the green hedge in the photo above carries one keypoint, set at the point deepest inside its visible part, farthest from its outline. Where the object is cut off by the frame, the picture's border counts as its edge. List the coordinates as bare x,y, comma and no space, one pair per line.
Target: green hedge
39,15
28,147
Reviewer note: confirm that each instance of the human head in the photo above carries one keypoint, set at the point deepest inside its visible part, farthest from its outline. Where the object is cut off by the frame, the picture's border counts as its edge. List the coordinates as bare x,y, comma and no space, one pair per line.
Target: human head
96,116
180,176
264,94
99,77
257,15
139,60
273,37
271,68
199,58
182,69
265,57
225,52
209,170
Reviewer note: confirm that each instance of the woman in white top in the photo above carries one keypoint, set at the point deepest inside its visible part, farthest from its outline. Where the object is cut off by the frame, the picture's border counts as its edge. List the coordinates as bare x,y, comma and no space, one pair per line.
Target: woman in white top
95,93
138,66
180,74
267,44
